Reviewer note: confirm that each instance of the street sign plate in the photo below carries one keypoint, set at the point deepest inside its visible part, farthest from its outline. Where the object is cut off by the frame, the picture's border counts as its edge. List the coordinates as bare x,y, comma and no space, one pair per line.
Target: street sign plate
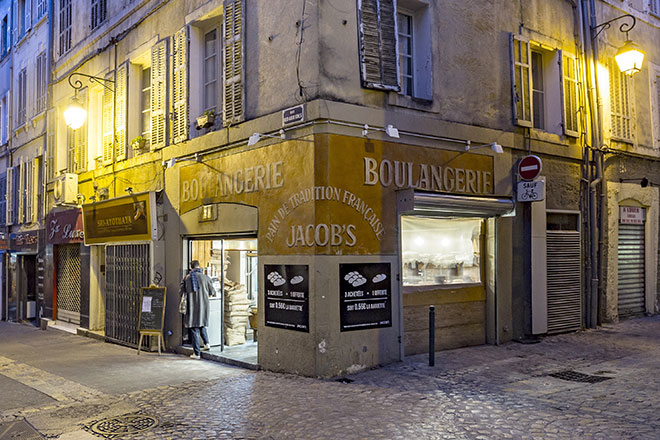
531,191
529,167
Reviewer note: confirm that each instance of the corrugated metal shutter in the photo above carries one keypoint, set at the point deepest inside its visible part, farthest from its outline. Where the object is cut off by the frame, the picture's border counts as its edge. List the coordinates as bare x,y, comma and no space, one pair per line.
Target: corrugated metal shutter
68,283
631,269
180,85
233,55
564,281
158,93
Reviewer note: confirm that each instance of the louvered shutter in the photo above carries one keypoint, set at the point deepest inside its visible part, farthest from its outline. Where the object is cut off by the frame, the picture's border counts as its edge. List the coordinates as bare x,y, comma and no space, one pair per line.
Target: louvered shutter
158,94
180,85
233,57
521,80
35,190
16,22
121,83
108,124
29,190
21,192
564,281
80,139
10,196
657,109
621,123
568,81
631,262
379,51
50,145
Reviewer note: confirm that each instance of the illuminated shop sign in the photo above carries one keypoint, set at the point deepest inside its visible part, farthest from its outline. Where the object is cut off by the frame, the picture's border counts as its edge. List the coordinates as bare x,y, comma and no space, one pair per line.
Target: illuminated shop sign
122,219
65,227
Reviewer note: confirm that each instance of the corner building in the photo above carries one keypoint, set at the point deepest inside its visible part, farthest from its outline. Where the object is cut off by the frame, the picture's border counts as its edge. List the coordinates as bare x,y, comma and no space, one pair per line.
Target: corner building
337,169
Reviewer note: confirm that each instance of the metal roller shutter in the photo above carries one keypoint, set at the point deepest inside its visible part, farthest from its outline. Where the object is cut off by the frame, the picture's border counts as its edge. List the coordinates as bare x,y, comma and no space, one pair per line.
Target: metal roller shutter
68,283
564,281
631,269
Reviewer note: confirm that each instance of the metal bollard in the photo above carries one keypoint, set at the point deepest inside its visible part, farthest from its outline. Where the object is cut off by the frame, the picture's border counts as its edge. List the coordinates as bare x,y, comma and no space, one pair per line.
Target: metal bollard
431,336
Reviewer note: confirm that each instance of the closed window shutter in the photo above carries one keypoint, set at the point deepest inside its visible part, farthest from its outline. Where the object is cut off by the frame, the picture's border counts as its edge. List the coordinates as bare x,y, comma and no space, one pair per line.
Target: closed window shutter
521,80
121,83
50,146
180,85
10,196
569,95
620,113
80,140
21,192
657,110
29,191
233,56
108,124
28,15
35,190
158,93
379,51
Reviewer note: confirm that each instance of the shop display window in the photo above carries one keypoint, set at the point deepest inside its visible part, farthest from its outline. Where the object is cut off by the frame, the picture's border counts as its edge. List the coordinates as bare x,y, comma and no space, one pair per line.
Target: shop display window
440,251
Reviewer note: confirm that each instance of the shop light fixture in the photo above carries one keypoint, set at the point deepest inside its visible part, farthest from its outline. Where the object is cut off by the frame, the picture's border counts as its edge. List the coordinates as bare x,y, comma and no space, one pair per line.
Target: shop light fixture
75,114
256,137
493,146
629,57
389,129
173,161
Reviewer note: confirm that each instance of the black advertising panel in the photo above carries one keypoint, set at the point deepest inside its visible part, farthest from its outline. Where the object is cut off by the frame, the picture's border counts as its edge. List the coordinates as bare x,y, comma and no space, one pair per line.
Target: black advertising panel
287,296
365,296
152,308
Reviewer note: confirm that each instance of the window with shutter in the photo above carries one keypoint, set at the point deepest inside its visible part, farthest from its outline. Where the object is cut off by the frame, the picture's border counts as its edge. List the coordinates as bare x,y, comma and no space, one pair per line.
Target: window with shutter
121,84
570,96
99,12
29,191
42,7
3,199
657,109
21,98
233,57
158,94
379,51
41,83
620,110
10,196
4,35
65,26
80,163
654,7
28,15
521,80
50,145
180,85
108,124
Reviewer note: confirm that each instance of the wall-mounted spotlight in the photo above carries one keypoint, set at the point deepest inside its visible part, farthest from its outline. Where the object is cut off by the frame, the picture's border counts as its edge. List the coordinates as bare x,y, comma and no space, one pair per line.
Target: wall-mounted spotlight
497,148
389,129
256,137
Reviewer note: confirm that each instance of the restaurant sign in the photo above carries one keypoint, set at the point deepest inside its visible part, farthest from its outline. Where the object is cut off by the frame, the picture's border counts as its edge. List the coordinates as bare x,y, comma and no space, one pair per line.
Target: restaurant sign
130,218
24,242
65,227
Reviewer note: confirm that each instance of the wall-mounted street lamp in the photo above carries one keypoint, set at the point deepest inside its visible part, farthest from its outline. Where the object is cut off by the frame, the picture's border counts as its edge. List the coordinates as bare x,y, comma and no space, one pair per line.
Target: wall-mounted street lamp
75,114
629,57
497,148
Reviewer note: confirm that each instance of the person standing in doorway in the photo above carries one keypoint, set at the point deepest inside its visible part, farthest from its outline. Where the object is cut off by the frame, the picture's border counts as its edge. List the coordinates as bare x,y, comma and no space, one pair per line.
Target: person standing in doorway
198,287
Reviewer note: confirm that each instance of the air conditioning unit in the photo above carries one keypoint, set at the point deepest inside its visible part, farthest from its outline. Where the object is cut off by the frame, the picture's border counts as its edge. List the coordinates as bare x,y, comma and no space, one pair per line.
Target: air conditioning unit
66,189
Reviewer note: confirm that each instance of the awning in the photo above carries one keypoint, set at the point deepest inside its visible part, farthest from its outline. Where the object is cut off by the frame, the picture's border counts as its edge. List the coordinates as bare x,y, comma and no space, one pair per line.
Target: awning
410,201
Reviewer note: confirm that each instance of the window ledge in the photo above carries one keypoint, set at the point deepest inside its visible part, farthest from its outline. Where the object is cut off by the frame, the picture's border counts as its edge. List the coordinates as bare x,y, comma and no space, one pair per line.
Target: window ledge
399,100
551,138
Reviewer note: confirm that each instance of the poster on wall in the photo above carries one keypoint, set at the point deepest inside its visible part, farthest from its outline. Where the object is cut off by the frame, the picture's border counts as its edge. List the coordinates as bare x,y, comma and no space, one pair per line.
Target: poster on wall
287,296
365,296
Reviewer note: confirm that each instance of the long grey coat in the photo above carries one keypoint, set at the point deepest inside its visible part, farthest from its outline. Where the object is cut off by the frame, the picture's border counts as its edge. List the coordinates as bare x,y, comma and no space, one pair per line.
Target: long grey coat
197,313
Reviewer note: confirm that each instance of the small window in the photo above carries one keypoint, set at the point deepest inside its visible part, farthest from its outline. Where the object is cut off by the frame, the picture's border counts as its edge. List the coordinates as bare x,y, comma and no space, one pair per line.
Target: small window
538,91
414,47
42,81
406,53
562,222
145,103
4,36
210,70
65,26
42,7
440,251
21,95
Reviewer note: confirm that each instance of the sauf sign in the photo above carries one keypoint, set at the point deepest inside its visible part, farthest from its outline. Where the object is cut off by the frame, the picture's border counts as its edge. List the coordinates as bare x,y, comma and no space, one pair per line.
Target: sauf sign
530,187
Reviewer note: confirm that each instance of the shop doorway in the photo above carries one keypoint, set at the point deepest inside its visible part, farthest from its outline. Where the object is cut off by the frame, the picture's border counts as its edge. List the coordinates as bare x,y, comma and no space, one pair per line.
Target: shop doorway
232,265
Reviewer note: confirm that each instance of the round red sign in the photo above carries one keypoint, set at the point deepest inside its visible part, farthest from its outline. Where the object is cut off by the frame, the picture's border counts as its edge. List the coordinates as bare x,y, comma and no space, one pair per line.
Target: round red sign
529,167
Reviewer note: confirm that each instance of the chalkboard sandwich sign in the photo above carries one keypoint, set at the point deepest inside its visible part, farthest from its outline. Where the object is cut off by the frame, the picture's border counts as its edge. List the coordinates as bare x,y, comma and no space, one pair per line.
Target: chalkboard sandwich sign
152,314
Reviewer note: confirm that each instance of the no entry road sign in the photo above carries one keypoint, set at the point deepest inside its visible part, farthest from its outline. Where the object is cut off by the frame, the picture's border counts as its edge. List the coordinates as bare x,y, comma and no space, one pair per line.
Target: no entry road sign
529,167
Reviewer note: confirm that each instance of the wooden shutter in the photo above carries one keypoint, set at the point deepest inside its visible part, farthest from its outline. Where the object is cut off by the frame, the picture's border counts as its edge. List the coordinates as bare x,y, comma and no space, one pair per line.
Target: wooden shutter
28,15
80,139
35,183
656,83
121,83
108,124
158,94
569,94
521,80
50,145
10,196
21,192
620,113
180,85
378,40
29,191
233,55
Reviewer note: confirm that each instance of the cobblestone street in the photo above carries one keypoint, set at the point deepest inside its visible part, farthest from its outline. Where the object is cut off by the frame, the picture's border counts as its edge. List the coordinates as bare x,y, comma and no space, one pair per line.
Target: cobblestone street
64,384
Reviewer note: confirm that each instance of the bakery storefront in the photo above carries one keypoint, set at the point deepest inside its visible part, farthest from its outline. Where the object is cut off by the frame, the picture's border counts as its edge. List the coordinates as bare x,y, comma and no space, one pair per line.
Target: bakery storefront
341,244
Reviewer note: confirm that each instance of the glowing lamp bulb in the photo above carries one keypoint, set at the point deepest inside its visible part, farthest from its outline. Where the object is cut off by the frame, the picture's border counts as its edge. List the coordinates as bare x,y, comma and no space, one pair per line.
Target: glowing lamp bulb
75,114
629,58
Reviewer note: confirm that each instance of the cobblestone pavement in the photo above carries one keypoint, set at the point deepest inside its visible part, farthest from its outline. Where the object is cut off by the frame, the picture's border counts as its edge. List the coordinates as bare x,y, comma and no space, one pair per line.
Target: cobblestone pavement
486,392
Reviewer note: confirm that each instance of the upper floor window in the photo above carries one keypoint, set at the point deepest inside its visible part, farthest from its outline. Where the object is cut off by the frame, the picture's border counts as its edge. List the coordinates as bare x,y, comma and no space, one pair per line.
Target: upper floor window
541,78
65,26
41,83
655,96
21,98
24,20
210,70
4,35
654,7
3,121
145,104
99,12
620,105
42,8
406,53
